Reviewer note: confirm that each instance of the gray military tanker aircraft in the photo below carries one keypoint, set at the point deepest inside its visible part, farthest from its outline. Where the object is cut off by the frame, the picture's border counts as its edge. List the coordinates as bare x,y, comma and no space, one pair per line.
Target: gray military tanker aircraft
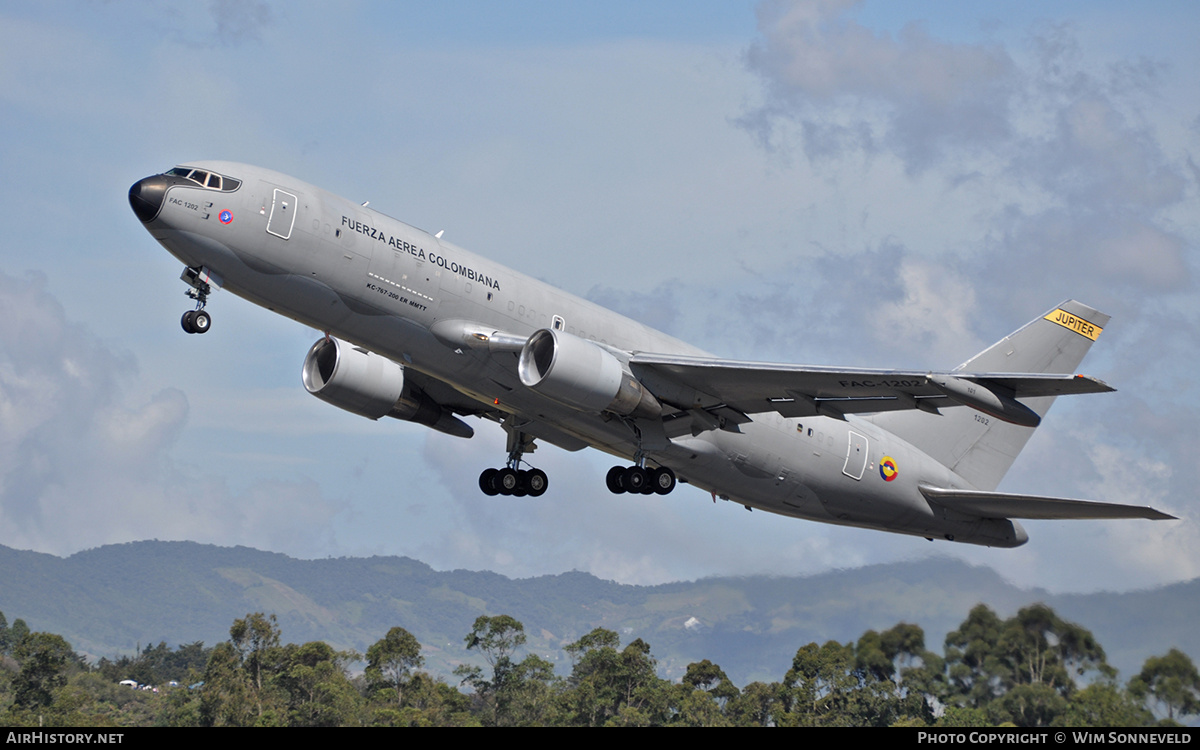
421,330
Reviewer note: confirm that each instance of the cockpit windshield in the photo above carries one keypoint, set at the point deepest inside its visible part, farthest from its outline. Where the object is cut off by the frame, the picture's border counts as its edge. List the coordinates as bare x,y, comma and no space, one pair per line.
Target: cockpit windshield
206,179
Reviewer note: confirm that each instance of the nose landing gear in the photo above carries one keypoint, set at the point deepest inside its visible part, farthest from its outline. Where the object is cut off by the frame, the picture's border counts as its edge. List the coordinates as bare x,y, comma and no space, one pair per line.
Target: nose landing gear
200,283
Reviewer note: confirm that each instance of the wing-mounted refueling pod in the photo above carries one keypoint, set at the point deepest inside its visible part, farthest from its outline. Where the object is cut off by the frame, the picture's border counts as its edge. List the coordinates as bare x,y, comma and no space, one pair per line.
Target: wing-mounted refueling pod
372,386
991,400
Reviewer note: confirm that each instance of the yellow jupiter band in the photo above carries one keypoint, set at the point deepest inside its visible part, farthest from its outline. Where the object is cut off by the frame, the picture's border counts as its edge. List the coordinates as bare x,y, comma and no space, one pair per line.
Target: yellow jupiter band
1075,323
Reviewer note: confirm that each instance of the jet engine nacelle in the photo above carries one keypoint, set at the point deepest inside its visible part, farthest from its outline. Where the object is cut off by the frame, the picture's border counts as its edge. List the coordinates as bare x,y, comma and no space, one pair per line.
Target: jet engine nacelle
371,386
582,375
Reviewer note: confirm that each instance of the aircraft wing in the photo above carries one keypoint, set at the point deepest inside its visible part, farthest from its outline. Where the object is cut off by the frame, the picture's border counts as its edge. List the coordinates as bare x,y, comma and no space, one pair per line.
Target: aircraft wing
1007,505
689,382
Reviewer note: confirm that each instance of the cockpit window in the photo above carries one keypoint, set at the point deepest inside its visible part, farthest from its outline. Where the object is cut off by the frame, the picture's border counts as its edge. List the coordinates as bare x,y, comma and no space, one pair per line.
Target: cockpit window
182,172
210,180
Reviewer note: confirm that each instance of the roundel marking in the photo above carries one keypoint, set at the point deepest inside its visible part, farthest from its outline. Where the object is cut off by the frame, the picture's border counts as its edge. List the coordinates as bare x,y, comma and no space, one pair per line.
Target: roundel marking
887,468
225,216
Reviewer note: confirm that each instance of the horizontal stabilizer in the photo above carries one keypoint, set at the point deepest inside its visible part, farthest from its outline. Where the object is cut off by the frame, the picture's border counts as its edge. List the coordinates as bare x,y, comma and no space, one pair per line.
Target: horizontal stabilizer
1008,505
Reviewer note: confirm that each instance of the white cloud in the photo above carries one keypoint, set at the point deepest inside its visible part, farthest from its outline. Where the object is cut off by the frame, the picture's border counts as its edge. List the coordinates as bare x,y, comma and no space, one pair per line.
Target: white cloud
1083,169
851,86
934,315
87,460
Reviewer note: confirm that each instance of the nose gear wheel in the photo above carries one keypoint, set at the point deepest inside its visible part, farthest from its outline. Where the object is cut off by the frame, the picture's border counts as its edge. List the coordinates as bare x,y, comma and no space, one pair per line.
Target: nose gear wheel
196,321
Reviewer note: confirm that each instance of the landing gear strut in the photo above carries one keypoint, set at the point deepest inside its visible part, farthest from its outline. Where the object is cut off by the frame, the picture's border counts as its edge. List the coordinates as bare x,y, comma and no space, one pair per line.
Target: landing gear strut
200,285
512,480
638,479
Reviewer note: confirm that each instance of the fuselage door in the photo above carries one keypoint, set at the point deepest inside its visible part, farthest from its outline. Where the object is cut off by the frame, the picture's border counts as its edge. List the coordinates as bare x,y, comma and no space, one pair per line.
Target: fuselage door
856,456
283,214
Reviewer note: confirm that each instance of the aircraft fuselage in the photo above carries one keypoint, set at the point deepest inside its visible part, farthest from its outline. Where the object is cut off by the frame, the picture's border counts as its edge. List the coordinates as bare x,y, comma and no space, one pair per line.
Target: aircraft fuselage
428,305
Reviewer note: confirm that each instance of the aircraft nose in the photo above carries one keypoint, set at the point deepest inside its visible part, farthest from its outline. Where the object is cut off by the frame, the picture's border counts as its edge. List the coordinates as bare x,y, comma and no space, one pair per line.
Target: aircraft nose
146,196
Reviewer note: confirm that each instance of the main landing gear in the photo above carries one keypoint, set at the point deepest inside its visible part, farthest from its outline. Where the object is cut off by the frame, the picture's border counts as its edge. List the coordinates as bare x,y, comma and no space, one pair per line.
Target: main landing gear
197,321
639,480
512,480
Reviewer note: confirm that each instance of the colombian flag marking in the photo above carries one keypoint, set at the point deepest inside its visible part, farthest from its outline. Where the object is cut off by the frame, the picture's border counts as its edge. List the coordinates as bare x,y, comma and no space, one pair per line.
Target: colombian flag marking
887,468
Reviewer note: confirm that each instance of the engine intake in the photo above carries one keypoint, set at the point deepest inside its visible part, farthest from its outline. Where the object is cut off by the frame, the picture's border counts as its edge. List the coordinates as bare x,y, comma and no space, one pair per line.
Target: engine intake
372,386
582,375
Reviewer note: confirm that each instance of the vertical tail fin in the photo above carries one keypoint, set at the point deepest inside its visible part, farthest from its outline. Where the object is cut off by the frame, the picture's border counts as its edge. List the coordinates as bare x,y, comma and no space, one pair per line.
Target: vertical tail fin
982,451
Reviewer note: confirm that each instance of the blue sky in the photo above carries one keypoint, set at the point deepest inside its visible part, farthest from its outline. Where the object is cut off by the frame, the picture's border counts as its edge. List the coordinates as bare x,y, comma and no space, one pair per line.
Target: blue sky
871,184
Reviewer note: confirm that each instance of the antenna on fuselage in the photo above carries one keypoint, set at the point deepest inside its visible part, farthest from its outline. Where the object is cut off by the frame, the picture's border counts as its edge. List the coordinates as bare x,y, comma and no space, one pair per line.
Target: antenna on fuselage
366,203
439,234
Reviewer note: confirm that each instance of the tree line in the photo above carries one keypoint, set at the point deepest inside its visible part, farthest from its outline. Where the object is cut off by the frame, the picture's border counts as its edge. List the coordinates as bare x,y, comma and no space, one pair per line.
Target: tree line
1031,670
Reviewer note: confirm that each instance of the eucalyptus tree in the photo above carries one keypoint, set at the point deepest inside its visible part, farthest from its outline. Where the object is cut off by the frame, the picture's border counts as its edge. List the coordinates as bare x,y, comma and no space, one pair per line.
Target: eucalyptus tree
1170,682
392,660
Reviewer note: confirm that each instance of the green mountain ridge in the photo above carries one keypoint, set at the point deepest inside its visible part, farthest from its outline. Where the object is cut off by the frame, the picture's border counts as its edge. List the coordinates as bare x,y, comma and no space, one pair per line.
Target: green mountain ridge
109,600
